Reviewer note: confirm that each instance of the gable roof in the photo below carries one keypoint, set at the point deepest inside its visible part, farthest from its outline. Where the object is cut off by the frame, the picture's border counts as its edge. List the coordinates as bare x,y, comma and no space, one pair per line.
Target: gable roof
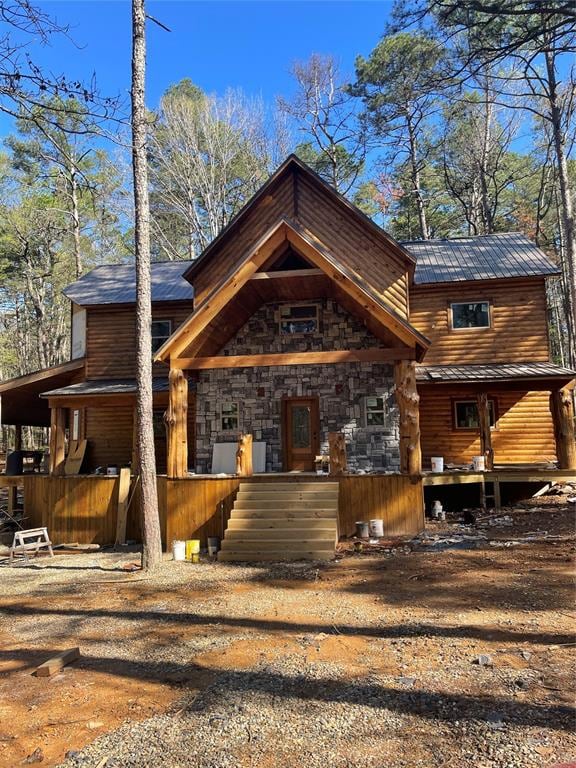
292,165
116,284
285,230
483,257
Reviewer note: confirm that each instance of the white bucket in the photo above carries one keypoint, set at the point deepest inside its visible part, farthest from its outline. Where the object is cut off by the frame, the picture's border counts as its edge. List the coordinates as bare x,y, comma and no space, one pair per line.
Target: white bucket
479,463
437,463
377,528
179,550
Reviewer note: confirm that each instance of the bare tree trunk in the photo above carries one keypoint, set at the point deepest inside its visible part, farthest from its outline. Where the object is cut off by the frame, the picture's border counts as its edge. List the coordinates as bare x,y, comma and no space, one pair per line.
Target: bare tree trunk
151,538
568,224
416,188
75,222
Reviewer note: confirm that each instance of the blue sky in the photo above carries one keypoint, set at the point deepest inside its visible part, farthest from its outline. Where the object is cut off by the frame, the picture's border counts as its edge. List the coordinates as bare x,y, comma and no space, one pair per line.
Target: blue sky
217,43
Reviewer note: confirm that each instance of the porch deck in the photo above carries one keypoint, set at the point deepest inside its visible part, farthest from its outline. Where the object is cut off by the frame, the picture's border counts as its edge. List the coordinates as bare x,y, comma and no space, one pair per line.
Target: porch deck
498,476
83,508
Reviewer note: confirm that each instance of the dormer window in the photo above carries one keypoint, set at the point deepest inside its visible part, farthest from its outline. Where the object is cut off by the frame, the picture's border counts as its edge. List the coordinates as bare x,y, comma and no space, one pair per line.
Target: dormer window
470,314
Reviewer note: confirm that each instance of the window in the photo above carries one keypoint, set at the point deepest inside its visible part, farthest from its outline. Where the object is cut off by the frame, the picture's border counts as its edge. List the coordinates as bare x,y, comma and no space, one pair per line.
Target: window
229,417
299,318
470,315
158,424
75,425
466,414
375,412
161,332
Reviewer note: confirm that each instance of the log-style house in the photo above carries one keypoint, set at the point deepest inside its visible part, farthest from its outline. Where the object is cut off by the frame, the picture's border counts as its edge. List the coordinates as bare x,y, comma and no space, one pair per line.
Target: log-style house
304,319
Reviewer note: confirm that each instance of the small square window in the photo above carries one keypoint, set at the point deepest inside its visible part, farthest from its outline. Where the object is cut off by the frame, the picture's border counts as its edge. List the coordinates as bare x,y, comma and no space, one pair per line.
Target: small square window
375,412
229,417
161,332
466,414
299,318
470,315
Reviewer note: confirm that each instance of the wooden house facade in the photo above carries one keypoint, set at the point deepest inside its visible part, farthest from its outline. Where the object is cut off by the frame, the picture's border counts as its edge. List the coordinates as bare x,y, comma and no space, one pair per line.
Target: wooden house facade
304,319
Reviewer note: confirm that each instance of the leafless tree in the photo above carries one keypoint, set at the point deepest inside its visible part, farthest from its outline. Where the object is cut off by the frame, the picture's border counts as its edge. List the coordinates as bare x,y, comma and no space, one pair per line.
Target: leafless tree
208,155
327,115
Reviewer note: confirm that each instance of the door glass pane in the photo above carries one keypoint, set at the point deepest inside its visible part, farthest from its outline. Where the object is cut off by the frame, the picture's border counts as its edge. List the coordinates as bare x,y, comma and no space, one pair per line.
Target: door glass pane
300,426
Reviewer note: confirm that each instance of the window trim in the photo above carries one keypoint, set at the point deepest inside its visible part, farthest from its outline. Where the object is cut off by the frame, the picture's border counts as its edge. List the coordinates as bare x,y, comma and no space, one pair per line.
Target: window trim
384,412
170,328
473,328
221,428
456,400
298,304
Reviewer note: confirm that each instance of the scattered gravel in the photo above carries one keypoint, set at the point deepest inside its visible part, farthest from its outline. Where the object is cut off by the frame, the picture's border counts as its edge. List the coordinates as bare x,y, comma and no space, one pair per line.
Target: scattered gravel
362,663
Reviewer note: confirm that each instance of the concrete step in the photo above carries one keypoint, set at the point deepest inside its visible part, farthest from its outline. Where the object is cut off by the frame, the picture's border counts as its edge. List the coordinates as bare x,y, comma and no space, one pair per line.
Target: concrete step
276,543
282,513
282,524
258,556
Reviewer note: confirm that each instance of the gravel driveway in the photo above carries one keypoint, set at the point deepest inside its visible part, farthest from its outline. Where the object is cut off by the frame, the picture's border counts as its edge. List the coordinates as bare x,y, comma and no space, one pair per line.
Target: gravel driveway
451,658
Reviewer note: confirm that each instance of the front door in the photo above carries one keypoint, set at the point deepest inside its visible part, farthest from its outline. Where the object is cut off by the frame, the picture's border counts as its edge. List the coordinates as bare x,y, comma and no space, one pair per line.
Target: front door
301,433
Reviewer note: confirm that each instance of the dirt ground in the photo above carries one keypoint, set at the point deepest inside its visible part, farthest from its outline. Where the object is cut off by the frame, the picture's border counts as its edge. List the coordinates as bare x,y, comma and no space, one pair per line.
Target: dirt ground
470,628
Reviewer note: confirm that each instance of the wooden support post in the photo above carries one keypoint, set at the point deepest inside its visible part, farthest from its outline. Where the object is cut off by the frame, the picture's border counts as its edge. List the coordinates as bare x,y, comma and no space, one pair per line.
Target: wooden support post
13,489
244,465
485,435
134,462
408,401
562,408
337,446
176,420
57,440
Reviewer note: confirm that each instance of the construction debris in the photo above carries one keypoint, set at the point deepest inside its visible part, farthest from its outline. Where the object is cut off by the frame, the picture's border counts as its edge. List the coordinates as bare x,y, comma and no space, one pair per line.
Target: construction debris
56,663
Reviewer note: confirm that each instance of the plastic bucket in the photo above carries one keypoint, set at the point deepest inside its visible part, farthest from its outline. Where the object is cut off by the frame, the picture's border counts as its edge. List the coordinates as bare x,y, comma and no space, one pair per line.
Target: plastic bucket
192,548
479,463
213,545
179,550
377,528
437,463
362,530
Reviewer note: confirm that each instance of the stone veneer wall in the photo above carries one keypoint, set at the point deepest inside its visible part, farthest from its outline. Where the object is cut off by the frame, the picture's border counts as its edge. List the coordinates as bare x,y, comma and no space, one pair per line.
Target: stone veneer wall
341,389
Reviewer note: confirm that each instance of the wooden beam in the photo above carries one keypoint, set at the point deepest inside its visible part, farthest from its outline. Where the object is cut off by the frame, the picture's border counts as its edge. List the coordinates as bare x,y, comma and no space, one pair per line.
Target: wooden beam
562,408
408,402
284,274
484,425
122,513
176,419
222,294
353,285
373,355
57,440
56,663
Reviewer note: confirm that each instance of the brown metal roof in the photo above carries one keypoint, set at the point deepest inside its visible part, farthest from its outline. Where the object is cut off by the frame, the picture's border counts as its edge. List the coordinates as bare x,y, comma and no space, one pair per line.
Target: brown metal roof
491,372
484,257
21,401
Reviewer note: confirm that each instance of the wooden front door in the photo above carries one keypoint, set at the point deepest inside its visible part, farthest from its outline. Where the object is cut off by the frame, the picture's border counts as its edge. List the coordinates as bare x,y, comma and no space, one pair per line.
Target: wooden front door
301,433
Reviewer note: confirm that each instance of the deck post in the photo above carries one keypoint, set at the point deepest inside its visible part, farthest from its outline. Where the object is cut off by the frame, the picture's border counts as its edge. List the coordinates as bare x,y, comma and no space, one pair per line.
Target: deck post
176,420
13,489
57,440
485,435
408,400
562,408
